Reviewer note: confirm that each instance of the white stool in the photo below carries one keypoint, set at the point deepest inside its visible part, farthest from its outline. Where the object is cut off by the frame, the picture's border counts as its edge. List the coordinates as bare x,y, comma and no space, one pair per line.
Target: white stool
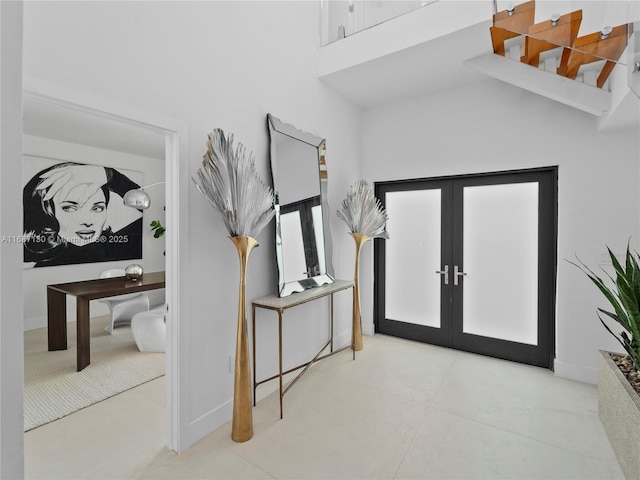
123,307
149,330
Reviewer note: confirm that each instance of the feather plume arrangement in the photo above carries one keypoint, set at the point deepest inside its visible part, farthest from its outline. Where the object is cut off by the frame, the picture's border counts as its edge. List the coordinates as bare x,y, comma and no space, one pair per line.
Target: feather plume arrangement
363,213
229,181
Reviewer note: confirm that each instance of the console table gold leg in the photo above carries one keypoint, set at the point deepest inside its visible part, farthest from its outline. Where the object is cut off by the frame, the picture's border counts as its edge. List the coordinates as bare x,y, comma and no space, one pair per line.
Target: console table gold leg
331,333
253,343
280,358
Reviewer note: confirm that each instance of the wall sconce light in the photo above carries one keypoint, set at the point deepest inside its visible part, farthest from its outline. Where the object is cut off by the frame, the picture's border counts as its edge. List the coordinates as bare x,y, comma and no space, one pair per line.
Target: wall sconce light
605,32
510,9
636,68
138,198
554,19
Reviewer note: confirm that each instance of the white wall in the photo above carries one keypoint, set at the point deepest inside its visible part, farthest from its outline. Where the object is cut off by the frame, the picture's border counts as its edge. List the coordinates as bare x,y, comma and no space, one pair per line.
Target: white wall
212,64
11,344
492,126
35,280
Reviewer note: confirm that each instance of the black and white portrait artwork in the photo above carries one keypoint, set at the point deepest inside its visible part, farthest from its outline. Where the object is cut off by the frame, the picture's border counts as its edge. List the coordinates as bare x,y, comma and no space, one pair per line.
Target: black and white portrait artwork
73,213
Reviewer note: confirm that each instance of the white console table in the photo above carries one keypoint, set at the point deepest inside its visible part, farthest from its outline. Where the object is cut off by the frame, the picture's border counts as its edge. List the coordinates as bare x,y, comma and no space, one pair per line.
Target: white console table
280,304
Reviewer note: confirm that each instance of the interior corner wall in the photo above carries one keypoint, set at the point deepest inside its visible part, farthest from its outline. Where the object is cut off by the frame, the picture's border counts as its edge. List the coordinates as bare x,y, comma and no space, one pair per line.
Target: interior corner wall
213,65
11,344
492,126
35,280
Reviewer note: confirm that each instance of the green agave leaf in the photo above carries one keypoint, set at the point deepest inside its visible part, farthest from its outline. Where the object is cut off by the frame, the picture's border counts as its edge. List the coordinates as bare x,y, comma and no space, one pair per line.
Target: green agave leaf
606,291
616,264
635,277
621,315
626,341
634,329
623,296
624,288
628,301
609,330
612,315
623,282
628,260
625,337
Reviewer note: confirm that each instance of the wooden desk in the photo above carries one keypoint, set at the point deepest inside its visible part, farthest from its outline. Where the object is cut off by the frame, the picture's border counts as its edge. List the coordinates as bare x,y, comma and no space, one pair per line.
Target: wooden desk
84,292
280,304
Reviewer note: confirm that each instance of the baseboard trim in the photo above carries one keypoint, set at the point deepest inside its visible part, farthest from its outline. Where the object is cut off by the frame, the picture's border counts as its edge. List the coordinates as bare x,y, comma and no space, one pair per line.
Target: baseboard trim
368,329
33,323
576,372
207,423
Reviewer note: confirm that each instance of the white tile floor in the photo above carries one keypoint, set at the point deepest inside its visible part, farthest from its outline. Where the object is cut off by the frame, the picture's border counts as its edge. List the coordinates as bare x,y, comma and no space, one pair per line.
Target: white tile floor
401,410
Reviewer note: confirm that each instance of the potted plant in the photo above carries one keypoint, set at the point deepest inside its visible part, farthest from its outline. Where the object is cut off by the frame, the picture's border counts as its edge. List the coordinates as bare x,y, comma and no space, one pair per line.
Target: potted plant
618,374
158,229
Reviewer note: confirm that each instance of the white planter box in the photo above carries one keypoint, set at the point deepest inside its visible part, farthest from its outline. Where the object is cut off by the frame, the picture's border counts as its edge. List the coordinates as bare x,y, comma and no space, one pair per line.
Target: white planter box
619,411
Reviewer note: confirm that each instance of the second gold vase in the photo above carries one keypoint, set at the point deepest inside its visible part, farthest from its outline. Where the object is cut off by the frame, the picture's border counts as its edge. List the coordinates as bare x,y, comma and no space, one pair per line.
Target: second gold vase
356,330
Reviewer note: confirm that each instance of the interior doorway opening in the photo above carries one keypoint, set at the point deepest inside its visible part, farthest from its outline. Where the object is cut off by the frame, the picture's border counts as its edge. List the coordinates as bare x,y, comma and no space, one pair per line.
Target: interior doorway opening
107,125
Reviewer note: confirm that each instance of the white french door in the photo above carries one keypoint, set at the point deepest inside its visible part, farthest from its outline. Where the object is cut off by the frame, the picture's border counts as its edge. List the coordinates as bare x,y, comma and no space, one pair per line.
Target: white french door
471,263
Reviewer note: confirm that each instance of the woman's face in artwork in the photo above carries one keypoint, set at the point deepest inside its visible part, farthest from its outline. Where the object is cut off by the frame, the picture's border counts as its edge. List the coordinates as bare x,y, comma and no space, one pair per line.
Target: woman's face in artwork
81,223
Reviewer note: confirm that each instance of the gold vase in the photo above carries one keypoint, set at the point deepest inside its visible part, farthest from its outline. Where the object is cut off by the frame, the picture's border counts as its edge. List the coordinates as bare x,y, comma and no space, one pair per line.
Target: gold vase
356,329
242,424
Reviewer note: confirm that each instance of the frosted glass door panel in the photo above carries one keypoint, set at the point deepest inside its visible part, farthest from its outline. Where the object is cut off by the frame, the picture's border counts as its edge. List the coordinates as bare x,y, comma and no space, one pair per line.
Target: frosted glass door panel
412,257
500,253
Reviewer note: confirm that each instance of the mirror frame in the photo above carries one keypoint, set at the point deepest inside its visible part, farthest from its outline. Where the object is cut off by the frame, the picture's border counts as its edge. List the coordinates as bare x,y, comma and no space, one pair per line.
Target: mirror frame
285,287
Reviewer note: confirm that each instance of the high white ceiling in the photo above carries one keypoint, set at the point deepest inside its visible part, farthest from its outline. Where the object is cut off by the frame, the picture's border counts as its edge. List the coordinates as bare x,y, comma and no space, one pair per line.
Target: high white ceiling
420,70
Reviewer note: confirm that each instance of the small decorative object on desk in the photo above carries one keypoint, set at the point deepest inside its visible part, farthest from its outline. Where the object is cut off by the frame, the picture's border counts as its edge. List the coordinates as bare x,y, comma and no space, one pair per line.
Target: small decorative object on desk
133,271
366,218
229,181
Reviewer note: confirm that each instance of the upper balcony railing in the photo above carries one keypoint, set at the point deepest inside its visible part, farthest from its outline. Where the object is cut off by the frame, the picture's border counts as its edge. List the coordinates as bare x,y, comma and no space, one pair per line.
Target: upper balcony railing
578,39
582,40
343,18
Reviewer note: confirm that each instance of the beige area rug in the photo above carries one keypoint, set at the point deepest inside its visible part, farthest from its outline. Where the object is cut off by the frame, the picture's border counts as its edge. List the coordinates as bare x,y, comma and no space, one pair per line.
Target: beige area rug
53,388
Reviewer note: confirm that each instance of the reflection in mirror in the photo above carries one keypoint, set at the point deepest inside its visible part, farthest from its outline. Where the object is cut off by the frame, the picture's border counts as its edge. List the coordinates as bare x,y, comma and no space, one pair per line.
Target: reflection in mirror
301,249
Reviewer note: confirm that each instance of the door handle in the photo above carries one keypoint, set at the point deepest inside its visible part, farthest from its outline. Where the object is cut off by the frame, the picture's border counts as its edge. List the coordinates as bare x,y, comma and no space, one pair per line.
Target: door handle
444,272
457,274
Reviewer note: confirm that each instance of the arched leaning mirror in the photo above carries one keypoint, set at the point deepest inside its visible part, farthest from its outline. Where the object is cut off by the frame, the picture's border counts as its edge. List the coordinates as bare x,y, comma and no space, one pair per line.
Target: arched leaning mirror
301,230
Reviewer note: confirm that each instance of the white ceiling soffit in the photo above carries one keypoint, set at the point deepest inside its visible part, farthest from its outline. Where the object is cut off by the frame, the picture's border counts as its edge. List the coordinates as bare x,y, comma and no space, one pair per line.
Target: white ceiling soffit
595,101
415,71
48,120
612,115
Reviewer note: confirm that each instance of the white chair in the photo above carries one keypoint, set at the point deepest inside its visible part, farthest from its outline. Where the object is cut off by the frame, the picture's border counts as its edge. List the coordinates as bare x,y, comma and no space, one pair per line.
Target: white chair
123,307
149,330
